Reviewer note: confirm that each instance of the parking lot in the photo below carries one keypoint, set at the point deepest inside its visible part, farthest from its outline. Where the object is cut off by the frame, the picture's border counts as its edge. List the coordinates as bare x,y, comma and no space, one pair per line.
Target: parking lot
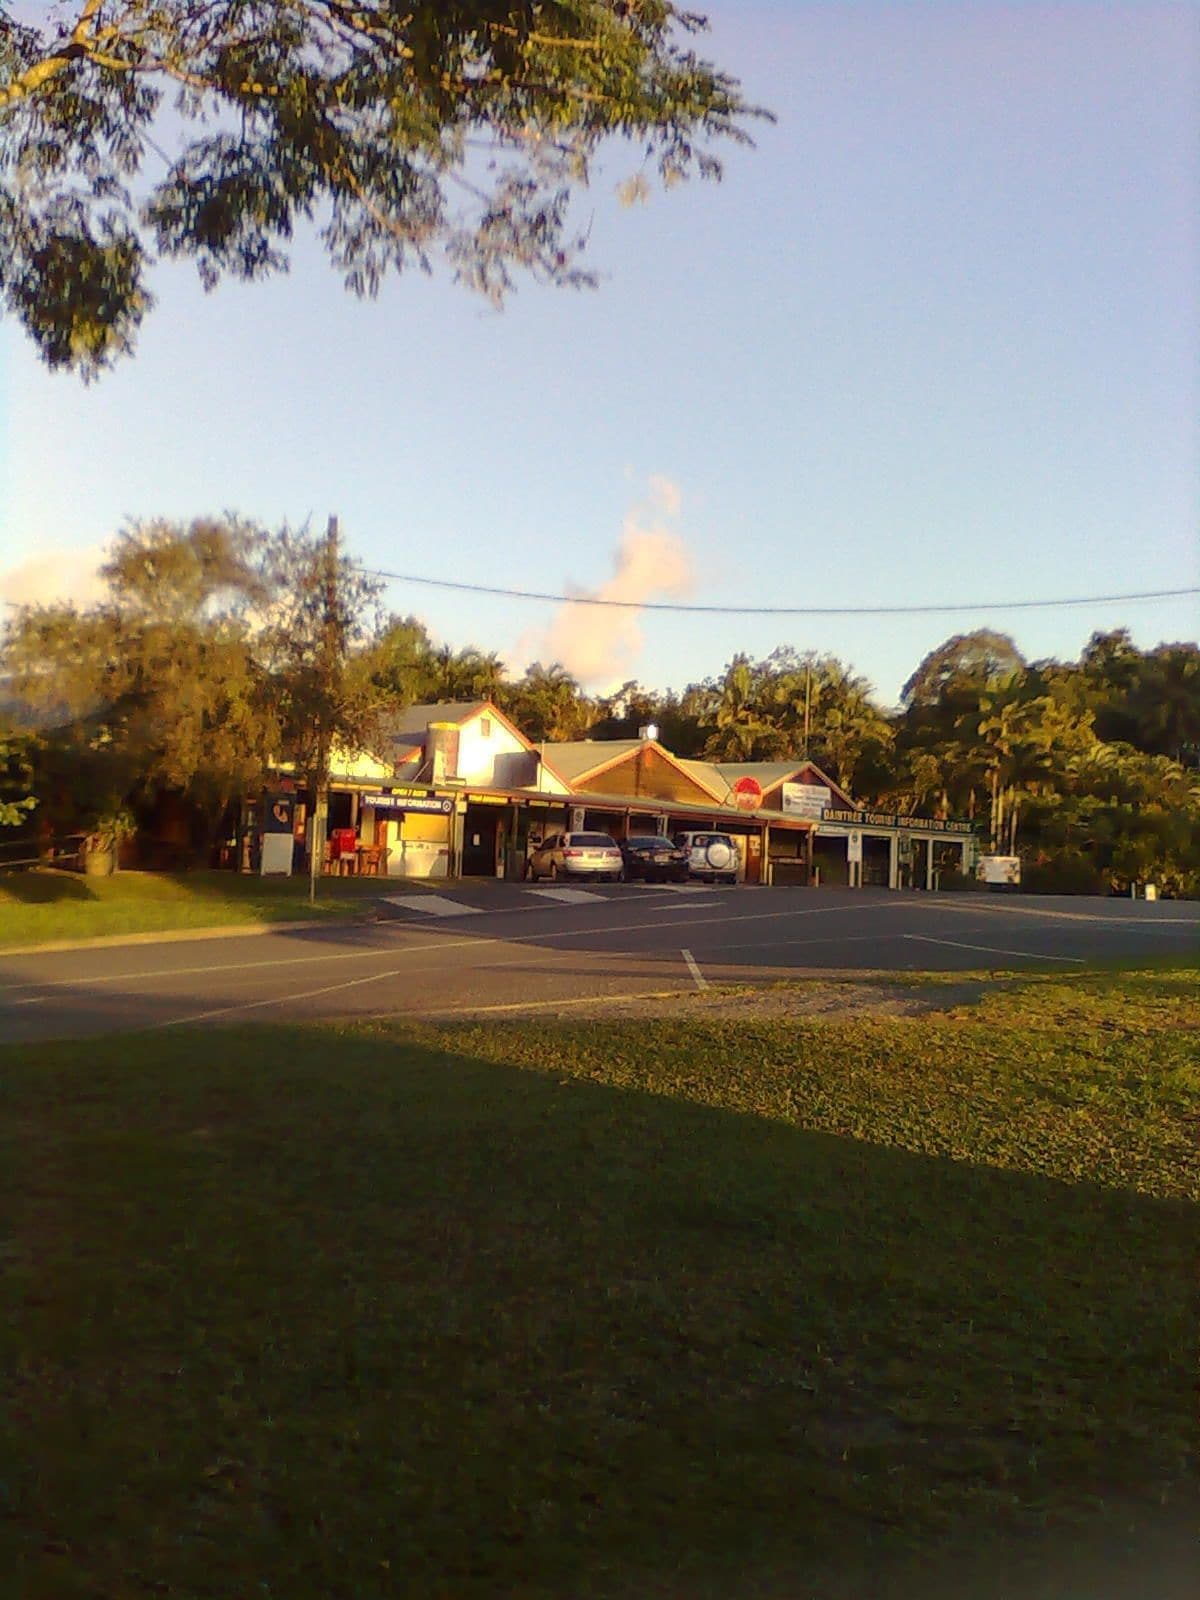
496,948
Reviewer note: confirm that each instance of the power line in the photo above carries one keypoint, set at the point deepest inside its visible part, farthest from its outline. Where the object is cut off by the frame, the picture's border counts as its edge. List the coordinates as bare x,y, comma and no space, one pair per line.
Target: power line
778,611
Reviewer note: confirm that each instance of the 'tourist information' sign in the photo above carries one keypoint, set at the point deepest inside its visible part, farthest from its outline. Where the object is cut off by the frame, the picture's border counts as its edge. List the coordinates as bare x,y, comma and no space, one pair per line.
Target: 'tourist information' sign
401,802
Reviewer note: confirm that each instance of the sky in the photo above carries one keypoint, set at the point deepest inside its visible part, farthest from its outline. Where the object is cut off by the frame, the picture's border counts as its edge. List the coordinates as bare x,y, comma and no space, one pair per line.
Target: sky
934,340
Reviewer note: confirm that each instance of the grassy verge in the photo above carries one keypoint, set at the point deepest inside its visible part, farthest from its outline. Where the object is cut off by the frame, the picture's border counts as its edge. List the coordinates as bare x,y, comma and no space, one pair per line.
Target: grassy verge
37,907
801,1308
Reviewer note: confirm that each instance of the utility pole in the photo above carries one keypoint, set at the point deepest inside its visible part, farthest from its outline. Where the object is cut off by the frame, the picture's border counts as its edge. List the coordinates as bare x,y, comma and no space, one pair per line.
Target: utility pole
807,700
330,662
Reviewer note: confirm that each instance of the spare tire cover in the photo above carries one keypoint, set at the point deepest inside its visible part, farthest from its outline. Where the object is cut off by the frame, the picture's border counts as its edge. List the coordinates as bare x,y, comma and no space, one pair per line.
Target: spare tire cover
718,855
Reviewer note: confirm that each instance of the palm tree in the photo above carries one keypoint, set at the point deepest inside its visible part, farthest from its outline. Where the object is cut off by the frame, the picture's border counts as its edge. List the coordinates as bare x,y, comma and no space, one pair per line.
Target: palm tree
546,703
742,732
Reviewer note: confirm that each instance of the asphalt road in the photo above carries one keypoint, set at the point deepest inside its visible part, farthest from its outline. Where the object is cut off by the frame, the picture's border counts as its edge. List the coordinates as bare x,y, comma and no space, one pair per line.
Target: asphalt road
506,949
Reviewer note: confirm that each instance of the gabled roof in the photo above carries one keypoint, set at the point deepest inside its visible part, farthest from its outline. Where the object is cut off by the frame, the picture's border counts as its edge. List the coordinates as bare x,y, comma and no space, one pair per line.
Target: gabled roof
575,757
705,774
773,773
579,759
408,726
768,773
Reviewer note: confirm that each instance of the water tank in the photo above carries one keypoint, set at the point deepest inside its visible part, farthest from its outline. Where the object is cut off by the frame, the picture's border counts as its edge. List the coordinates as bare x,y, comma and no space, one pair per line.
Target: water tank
441,751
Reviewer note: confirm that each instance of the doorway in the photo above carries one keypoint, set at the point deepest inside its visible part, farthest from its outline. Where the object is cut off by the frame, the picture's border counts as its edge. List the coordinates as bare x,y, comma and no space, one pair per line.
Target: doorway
479,841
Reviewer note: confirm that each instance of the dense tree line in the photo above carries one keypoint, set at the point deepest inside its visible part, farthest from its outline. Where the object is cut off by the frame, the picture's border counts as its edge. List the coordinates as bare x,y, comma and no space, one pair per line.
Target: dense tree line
223,649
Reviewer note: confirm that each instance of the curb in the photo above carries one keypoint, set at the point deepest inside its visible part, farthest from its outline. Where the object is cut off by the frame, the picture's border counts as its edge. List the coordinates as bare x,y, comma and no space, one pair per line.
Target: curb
228,930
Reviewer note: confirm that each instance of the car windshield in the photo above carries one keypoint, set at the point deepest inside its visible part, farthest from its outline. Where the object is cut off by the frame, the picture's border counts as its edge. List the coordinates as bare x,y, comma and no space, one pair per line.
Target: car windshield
701,839
590,841
648,841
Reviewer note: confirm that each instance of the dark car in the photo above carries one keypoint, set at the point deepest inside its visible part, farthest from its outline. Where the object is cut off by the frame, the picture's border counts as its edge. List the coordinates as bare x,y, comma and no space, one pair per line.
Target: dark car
653,857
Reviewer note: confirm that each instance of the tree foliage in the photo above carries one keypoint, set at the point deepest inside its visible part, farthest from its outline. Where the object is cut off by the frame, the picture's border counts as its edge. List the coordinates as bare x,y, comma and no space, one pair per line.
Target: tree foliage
405,131
224,649
200,669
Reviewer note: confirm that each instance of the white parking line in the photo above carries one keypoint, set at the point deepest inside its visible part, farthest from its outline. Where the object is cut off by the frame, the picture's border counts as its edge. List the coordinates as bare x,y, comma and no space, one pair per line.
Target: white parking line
673,888
572,897
1001,907
991,949
442,942
599,998
698,977
433,905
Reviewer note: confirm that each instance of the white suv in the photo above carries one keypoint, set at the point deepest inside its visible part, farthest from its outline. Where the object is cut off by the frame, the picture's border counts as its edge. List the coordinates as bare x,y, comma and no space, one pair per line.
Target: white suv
710,855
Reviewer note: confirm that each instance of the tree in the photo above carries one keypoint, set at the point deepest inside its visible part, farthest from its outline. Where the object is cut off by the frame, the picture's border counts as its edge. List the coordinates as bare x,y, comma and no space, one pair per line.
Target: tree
407,130
546,703
969,661
400,664
742,731
218,653
158,686
16,777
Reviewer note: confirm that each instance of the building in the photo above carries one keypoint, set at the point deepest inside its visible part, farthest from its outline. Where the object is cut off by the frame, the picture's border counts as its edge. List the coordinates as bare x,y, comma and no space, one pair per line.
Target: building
456,789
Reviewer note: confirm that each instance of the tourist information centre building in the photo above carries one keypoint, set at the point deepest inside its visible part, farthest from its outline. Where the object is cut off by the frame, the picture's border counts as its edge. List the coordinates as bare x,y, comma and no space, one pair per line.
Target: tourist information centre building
457,790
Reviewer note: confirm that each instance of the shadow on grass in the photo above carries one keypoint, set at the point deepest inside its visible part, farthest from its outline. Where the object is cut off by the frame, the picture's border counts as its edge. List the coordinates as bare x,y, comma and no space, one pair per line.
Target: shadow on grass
302,1313
44,888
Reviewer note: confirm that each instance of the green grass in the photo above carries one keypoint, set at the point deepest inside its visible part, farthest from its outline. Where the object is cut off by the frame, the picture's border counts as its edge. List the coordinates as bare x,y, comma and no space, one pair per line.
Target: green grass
797,1308
38,907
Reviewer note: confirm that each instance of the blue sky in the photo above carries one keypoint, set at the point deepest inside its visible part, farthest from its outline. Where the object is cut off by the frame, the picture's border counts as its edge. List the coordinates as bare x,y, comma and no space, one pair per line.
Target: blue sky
935,339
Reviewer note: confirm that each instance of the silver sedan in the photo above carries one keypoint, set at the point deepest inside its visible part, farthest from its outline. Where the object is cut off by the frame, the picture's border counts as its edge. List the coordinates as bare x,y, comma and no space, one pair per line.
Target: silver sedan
577,855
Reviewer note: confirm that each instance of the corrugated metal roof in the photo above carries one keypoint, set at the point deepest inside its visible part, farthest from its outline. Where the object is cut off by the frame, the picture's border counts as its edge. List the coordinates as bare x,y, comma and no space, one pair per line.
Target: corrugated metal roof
646,805
408,726
573,757
767,772
708,775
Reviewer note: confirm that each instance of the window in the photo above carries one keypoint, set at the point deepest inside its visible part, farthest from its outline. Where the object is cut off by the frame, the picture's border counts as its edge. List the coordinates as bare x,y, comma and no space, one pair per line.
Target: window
485,727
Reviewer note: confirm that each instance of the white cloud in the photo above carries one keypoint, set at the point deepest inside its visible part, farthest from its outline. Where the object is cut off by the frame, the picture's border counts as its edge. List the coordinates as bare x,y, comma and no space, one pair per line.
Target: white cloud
600,645
65,575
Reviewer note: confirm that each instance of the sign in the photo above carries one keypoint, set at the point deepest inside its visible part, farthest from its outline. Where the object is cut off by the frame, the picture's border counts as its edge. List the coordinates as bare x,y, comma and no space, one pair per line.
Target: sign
806,800
1001,872
577,816
747,794
885,819
854,845
277,813
400,802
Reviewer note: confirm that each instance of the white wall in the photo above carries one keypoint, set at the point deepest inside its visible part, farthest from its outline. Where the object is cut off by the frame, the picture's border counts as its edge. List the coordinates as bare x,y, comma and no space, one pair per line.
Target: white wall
477,760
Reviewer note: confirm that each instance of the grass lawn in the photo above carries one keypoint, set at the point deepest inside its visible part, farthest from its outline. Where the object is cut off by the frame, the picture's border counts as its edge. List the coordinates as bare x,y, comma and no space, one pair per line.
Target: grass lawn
886,1306
37,907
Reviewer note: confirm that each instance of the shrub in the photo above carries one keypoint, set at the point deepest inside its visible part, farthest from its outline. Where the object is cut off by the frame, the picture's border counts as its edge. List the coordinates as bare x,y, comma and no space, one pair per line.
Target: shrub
1063,872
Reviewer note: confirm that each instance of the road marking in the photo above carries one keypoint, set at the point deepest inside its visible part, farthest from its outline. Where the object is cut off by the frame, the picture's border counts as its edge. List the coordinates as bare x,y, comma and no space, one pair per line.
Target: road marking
834,940
433,905
1109,920
698,977
991,949
275,1000
672,888
555,1005
572,897
33,1000
442,942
